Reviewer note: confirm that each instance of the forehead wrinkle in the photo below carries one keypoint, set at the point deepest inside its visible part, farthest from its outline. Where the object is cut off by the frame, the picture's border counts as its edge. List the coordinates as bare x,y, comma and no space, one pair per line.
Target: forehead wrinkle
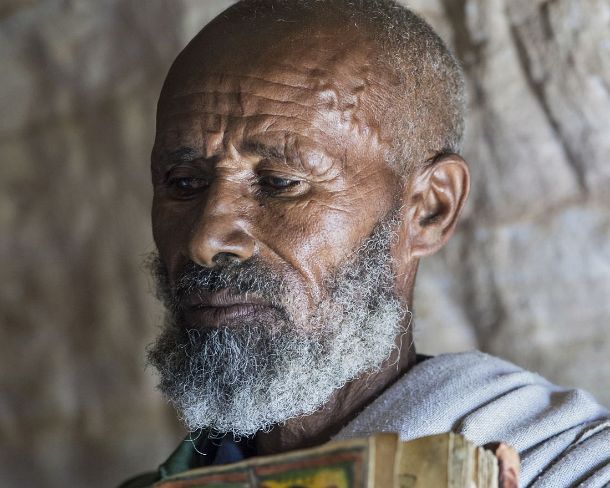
320,83
221,79
194,114
240,101
323,122
263,80
301,70
338,105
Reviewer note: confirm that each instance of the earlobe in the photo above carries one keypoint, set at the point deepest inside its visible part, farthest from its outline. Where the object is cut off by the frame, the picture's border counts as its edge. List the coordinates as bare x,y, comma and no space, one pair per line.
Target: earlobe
438,194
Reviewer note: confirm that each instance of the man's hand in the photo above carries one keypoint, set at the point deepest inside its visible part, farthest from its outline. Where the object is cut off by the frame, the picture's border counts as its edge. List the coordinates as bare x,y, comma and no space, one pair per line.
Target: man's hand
508,464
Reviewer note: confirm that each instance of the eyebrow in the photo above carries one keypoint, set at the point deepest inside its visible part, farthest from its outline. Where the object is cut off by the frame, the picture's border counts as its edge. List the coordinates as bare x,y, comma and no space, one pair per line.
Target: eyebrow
182,154
264,150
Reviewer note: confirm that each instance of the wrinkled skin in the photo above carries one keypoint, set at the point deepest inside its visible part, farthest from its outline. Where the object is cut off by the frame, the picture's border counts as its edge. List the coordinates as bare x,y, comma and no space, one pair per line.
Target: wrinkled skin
276,150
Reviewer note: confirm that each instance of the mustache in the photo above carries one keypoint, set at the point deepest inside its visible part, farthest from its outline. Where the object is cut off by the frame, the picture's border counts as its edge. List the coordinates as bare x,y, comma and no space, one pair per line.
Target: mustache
251,276
241,277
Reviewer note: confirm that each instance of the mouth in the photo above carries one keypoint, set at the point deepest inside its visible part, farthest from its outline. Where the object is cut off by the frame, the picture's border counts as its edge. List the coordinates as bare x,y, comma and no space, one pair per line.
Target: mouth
222,309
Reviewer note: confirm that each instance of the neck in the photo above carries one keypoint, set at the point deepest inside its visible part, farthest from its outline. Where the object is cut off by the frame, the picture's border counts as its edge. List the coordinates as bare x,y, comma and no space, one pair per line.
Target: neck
345,404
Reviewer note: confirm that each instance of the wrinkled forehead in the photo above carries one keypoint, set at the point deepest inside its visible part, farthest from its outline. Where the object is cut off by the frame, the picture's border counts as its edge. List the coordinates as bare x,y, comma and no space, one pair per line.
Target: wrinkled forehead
303,89
311,47
320,68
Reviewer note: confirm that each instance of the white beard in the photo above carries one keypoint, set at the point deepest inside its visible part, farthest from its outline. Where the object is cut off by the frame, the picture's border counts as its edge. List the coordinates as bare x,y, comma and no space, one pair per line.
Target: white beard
246,379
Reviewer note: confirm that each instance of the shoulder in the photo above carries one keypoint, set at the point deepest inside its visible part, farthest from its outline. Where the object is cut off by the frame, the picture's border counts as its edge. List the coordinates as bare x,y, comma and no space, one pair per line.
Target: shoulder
562,435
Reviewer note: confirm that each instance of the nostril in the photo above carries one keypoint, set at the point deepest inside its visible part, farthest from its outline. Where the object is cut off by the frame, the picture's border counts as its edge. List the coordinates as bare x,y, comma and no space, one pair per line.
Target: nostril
225,258
220,240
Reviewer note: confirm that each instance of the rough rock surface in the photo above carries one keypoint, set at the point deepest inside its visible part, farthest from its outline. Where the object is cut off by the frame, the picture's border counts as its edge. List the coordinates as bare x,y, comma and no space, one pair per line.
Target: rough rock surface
527,277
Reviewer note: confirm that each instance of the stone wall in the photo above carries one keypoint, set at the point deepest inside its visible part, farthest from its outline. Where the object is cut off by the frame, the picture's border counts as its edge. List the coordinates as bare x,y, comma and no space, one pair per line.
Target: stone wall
527,277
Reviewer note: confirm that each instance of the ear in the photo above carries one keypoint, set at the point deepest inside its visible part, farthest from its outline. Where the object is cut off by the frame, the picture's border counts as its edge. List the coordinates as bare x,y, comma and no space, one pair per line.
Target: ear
436,198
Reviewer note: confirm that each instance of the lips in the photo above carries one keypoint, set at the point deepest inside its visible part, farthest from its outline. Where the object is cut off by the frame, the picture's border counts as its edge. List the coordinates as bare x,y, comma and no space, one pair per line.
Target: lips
221,309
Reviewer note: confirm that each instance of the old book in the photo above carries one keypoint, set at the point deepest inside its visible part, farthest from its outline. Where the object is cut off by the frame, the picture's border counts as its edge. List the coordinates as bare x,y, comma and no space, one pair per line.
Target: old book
379,461
446,460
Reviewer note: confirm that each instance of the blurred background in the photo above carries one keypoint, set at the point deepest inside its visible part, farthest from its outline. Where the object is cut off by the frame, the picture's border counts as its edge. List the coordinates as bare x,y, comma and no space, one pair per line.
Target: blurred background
527,276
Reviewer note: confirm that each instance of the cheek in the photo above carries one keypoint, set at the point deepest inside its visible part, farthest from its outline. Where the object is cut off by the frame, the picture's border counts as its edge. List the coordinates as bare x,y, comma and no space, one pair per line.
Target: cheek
314,237
171,230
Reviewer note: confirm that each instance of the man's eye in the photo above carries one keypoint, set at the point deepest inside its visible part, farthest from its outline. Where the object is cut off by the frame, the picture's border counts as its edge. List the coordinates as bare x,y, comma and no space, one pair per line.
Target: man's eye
275,183
187,185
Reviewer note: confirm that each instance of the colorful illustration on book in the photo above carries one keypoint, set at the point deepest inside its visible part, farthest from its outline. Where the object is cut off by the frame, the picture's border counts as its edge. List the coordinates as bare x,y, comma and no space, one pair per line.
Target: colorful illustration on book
342,469
336,477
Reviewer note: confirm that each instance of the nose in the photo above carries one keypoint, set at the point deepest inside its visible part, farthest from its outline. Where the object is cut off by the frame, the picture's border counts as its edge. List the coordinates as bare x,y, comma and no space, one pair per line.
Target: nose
220,233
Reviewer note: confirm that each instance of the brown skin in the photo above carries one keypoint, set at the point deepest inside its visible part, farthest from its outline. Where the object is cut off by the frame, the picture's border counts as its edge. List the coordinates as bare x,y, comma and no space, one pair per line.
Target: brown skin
240,117
508,464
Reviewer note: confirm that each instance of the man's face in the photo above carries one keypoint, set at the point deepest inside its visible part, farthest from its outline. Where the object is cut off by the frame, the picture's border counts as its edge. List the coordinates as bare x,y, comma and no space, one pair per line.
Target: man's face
274,159
273,216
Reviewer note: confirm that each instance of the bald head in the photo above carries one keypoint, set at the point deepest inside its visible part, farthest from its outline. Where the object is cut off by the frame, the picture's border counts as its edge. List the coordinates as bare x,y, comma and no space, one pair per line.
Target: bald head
396,72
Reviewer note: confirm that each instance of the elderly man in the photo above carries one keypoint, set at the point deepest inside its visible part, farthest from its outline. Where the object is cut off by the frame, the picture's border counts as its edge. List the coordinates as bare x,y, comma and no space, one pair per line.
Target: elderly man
306,158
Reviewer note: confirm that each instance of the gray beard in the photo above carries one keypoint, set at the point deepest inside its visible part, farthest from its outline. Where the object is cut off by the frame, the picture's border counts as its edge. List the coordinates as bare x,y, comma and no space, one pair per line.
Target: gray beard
247,378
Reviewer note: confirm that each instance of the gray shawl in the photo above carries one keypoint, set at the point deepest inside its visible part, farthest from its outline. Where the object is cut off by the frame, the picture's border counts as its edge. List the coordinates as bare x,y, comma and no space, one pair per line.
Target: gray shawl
562,435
